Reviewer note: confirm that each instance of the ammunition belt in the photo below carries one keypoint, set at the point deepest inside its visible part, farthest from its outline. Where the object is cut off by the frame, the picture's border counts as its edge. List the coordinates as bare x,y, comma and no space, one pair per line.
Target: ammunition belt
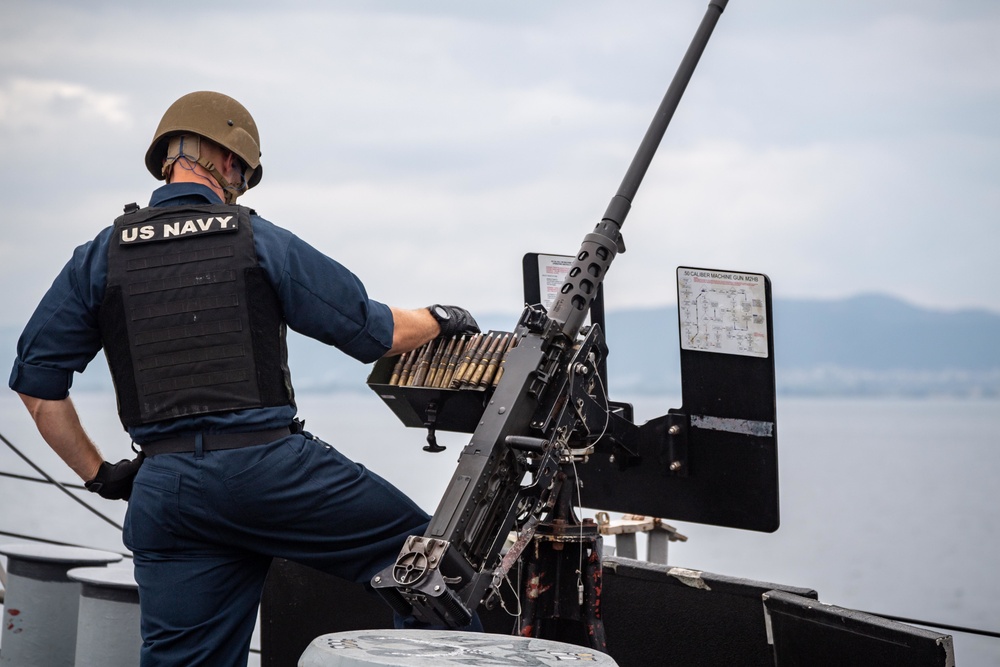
459,362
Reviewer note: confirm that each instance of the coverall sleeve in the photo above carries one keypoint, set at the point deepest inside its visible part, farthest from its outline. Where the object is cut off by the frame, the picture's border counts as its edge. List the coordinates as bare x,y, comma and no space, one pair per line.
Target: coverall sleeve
62,335
320,297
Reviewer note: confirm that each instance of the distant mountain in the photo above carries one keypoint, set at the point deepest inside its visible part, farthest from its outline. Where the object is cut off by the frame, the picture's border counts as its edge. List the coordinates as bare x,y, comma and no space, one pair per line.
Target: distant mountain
878,332
867,345
864,345
877,345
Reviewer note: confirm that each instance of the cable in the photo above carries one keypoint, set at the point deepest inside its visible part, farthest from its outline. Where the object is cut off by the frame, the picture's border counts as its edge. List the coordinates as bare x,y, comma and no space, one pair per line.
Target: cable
26,478
576,478
607,408
943,626
579,413
42,540
516,591
58,484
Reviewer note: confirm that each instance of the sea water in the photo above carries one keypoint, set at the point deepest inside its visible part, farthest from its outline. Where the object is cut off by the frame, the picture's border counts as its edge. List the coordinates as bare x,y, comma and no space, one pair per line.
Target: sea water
887,506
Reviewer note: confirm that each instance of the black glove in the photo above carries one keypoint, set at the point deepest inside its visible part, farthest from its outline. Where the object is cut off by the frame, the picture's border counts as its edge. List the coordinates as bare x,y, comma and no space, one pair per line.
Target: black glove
454,321
114,480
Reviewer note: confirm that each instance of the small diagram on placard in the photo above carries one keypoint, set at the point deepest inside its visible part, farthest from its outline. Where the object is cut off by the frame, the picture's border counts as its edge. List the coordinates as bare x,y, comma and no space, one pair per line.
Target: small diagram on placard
722,311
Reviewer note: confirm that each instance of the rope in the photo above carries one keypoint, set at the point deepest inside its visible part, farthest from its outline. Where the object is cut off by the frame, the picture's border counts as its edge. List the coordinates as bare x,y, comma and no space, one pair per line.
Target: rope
59,485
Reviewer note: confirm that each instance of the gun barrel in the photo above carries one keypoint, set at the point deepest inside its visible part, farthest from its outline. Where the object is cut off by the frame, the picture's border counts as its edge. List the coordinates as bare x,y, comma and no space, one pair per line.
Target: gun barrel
665,112
600,247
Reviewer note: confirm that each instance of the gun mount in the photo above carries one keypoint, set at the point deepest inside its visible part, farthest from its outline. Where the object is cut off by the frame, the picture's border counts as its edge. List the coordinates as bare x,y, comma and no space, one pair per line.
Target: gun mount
548,423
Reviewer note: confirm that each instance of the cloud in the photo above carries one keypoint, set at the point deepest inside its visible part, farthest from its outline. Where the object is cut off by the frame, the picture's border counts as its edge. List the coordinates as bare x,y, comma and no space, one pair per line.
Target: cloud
27,104
838,147
410,243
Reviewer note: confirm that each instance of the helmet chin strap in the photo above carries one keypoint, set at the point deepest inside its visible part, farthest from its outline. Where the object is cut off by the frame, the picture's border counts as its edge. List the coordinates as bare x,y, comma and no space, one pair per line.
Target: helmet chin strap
188,146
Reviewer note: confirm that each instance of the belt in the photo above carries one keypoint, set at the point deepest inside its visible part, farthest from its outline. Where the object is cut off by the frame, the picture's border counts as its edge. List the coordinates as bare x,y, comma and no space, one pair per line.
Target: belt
214,441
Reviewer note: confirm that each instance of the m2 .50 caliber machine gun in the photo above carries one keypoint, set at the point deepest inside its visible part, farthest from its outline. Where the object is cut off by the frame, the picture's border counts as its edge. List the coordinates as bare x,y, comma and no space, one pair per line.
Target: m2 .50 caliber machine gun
546,437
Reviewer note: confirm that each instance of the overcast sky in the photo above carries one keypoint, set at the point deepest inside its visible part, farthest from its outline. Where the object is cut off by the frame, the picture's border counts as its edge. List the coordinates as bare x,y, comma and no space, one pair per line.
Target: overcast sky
839,146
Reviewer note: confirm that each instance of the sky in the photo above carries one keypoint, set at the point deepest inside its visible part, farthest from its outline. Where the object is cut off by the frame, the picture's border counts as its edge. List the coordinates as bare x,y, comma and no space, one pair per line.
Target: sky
839,146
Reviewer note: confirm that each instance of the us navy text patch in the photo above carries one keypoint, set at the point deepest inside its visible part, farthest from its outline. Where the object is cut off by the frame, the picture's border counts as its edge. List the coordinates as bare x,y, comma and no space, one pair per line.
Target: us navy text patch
165,230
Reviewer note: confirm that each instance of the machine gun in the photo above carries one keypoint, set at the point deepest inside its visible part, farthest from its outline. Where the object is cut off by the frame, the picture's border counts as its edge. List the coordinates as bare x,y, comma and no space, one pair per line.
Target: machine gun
548,425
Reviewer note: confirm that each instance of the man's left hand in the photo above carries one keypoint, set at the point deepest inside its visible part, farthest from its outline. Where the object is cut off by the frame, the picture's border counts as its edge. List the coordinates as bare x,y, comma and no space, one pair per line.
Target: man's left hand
114,480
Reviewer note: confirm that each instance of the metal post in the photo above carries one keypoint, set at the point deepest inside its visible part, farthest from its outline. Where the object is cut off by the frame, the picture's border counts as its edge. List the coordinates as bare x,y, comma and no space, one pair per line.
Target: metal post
625,546
42,603
656,546
107,632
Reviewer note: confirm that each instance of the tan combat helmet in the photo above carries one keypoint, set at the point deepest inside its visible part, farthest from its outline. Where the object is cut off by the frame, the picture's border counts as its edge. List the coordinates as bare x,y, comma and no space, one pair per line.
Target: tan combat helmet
214,116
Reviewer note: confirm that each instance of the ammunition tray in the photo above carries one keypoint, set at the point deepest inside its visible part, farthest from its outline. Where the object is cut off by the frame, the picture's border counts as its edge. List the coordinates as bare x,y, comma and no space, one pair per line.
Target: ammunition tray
441,408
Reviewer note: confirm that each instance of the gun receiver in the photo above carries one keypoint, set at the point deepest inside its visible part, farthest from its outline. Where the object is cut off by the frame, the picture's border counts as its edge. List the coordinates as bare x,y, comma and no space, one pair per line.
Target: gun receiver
548,409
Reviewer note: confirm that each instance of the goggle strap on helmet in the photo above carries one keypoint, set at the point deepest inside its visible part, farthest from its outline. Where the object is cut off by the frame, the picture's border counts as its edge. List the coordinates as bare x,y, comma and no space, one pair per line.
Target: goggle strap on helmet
188,146
183,145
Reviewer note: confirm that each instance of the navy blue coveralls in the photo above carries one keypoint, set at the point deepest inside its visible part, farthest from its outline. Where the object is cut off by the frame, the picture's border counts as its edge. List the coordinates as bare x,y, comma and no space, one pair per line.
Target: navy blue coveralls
203,526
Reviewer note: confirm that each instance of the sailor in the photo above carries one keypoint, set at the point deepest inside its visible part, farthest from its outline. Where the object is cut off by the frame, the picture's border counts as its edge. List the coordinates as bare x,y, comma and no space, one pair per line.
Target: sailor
190,299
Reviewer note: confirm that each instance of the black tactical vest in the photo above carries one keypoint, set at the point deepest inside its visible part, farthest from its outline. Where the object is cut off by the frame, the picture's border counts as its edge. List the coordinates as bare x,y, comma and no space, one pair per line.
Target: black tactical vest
190,322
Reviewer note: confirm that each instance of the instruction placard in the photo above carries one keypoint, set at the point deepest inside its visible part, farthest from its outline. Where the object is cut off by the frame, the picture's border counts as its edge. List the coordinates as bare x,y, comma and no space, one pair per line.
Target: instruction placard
722,311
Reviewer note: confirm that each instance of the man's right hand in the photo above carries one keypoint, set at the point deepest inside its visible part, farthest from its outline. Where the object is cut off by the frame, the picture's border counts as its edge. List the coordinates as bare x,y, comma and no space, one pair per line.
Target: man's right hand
454,321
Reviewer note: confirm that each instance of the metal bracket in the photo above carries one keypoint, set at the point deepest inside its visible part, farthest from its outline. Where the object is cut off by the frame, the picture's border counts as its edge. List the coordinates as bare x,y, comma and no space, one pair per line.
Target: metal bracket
658,532
430,418
676,445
